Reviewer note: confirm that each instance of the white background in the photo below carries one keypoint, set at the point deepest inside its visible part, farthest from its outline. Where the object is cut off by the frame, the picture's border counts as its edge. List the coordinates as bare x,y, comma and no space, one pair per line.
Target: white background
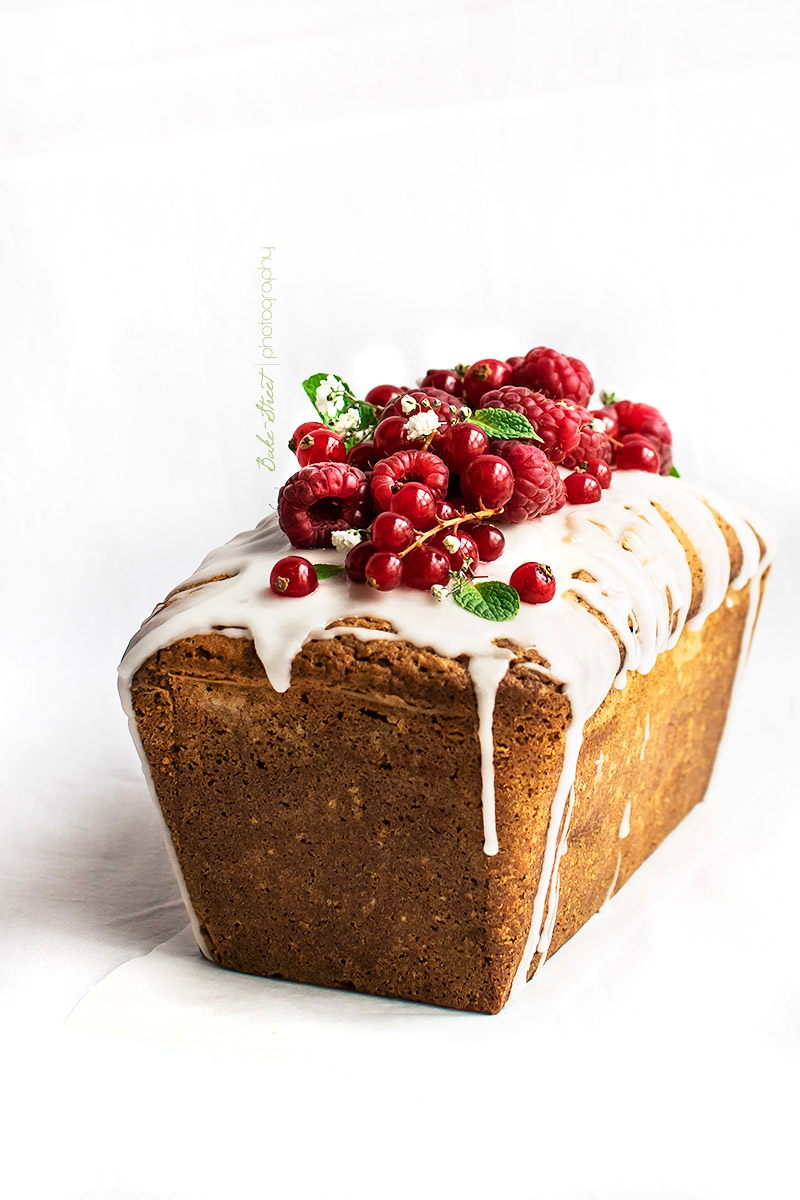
440,181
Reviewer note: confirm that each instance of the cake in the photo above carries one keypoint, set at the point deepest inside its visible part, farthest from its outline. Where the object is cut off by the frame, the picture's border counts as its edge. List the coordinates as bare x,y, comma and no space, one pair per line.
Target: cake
421,788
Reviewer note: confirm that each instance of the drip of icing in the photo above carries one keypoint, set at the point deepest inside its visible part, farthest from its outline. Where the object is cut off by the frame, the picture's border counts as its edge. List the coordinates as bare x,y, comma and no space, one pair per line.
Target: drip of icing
640,582
610,891
625,823
486,675
543,944
646,736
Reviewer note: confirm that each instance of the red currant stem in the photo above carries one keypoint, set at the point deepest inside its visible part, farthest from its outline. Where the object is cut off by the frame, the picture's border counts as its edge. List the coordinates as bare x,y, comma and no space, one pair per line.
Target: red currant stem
429,533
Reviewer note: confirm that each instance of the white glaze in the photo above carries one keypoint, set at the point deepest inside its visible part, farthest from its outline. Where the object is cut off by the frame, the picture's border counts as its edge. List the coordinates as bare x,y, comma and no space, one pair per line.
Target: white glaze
625,823
641,583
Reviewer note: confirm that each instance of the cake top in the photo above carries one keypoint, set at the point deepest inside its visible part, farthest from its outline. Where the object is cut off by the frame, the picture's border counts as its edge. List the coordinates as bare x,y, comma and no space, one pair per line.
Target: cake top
500,515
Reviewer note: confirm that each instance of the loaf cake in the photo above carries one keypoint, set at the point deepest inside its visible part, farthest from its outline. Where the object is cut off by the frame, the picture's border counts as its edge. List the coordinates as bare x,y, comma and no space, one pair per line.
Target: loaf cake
423,789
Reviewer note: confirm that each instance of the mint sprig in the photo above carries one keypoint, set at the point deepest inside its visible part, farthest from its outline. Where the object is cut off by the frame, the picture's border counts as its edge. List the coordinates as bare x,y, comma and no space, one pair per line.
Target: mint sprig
494,601
674,472
502,423
327,570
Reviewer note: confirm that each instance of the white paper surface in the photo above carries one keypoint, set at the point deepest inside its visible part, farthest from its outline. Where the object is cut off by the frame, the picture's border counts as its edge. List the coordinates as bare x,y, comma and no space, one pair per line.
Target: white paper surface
440,180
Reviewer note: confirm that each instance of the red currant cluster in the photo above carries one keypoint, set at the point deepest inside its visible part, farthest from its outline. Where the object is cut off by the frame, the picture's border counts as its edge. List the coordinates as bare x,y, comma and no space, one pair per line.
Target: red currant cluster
418,502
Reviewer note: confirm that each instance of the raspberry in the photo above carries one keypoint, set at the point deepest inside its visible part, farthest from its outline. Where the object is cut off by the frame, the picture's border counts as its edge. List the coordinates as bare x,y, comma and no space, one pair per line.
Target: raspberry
408,466
544,370
429,399
319,499
649,423
591,443
557,424
537,484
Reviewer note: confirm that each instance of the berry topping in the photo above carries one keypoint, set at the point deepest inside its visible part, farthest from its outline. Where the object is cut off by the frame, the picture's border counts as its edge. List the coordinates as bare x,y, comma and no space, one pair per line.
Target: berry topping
638,454
601,471
320,445
384,571
558,424
592,442
383,394
391,435
534,582
459,547
445,381
582,488
648,422
487,482
483,376
355,564
319,499
301,431
391,531
459,444
563,378
424,568
537,484
293,576
415,502
364,455
407,466
490,541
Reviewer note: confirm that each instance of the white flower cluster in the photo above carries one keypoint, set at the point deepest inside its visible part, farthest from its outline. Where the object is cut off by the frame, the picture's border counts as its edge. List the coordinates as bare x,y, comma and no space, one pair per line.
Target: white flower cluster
421,425
345,539
347,422
598,425
439,592
328,387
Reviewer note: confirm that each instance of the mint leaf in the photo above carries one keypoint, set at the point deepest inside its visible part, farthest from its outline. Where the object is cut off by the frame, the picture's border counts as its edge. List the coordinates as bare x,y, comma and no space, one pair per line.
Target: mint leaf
502,423
674,472
327,570
494,601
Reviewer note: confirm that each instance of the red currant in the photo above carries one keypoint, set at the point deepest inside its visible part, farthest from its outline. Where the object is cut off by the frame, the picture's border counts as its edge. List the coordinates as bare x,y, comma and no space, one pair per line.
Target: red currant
364,455
465,555
424,567
638,455
391,531
487,482
582,488
293,576
515,360
445,381
383,394
459,444
391,435
487,538
608,416
355,564
321,445
384,571
445,510
485,375
534,582
601,471
301,431
415,501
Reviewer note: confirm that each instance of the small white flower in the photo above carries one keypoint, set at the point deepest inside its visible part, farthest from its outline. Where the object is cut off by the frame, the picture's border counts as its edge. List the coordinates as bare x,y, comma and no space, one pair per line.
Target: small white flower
346,422
439,592
421,425
451,543
327,387
407,404
345,539
598,425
